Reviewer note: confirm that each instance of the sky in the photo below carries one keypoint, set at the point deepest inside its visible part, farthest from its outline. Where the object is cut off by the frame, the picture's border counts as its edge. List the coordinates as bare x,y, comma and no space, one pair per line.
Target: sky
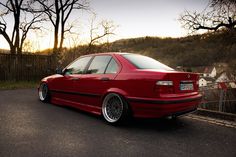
134,18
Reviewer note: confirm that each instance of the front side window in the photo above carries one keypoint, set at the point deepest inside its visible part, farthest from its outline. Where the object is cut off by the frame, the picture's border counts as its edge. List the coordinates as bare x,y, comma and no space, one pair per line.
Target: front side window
144,62
78,66
98,65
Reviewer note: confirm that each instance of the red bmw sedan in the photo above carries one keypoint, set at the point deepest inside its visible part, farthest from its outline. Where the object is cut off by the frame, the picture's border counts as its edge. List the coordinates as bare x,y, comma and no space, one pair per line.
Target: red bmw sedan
117,85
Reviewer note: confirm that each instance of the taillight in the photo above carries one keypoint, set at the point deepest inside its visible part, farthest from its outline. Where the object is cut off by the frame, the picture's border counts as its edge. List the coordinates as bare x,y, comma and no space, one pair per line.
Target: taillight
165,87
164,83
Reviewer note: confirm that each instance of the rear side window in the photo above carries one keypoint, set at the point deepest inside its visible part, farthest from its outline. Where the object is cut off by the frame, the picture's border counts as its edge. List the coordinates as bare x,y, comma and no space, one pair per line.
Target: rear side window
144,62
98,65
78,66
112,67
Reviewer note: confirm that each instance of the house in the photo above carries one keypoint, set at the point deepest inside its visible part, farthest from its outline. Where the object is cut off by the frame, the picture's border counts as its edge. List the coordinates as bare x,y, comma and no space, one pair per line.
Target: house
206,81
223,77
202,82
180,68
209,72
206,71
228,78
232,84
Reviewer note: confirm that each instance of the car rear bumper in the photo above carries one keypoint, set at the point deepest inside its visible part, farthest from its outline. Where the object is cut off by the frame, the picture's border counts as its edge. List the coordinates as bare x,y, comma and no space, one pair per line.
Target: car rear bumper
155,108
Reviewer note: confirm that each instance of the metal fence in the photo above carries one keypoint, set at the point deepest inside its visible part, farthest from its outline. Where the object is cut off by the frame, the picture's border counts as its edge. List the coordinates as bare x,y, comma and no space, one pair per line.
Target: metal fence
25,67
218,99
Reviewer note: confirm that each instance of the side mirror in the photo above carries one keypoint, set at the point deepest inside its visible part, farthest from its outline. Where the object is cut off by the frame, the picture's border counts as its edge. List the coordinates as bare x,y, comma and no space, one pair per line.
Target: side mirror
59,71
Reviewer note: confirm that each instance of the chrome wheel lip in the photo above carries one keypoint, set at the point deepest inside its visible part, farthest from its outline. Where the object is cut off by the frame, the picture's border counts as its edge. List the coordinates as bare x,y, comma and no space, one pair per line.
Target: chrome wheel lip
43,90
107,107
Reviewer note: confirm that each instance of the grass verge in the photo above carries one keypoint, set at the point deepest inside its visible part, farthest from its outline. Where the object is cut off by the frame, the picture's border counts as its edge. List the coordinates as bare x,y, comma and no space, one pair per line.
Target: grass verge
18,84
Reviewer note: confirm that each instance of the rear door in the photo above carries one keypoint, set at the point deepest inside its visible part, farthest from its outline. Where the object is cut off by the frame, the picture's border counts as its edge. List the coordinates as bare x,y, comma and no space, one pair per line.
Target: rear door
98,78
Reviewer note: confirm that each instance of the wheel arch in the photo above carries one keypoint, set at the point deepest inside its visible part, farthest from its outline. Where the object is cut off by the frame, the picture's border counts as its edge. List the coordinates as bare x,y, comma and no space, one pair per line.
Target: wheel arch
43,81
115,90
120,92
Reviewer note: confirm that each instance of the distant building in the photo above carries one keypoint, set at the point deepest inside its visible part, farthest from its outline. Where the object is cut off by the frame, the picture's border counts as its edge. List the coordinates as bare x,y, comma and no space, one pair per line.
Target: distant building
206,81
180,68
232,84
215,75
210,72
227,78
206,71
223,77
202,82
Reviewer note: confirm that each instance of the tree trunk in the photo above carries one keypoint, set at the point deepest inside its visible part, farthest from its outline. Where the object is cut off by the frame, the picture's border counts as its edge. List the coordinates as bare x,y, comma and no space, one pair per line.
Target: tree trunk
62,36
56,26
62,30
55,38
17,30
10,43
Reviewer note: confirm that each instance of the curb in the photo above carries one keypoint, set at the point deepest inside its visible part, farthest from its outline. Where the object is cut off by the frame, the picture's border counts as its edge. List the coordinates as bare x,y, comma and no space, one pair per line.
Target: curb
215,114
225,123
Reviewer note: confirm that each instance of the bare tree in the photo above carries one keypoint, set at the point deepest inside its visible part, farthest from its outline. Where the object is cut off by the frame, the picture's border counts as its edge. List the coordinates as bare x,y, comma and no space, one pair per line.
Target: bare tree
25,26
21,26
99,31
218,14
58,12
28,46
73,34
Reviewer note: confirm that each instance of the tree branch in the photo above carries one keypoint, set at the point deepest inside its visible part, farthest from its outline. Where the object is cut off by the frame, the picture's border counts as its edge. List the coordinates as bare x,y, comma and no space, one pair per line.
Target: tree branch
220,14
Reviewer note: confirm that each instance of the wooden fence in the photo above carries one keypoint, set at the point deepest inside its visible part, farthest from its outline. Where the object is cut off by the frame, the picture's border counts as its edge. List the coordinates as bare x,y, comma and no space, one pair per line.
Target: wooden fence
25,67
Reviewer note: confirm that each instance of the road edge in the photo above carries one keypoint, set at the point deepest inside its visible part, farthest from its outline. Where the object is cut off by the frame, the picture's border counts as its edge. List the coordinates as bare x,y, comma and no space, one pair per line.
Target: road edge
216,114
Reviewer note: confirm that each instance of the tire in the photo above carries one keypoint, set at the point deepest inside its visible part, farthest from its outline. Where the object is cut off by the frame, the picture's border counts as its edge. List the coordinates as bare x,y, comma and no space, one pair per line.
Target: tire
43,93
114,109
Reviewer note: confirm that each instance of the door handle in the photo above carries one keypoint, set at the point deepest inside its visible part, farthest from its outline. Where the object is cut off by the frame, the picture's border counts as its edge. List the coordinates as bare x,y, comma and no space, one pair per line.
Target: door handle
105,79
74,78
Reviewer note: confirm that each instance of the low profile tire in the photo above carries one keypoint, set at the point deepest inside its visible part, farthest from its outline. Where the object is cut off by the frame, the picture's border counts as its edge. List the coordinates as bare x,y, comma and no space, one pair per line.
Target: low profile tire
43,92
114,109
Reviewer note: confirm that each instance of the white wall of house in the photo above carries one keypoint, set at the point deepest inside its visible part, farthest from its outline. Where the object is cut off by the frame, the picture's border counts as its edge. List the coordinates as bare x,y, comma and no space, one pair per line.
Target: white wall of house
232,84
202,82
222,78
209,82
213,72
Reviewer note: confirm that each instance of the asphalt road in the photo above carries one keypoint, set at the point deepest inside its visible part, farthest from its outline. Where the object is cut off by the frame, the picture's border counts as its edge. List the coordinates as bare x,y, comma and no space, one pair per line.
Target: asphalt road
30,128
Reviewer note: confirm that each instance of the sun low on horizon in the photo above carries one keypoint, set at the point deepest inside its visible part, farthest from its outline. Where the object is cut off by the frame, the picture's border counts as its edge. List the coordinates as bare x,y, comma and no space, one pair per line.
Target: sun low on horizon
134,18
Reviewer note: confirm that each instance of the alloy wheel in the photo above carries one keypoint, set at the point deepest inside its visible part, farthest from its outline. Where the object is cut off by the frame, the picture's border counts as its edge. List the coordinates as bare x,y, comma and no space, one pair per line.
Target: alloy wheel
112,107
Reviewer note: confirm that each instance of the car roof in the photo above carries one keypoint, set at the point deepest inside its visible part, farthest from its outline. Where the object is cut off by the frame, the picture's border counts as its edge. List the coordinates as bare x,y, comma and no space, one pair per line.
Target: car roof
106,53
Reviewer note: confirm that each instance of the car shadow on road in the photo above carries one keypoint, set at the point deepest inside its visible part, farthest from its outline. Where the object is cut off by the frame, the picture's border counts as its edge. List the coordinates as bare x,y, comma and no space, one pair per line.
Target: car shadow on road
157,124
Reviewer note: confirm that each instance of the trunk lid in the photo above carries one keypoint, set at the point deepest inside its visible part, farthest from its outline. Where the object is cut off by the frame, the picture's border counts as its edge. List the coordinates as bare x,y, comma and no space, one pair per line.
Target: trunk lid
183,82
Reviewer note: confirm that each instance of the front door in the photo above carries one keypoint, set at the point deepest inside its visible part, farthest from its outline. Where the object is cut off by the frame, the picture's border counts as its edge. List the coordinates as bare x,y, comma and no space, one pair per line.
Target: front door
64,86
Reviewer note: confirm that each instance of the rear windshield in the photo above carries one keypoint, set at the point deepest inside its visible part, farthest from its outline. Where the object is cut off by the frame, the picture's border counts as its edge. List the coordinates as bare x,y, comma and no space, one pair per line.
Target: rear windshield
144,62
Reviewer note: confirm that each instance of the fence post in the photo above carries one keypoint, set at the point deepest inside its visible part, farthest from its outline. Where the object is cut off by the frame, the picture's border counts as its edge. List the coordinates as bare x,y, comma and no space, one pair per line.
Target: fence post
221,100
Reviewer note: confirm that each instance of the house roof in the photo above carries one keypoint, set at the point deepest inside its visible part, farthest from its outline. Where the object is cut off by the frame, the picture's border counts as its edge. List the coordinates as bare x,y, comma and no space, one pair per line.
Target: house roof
203,69
228,75
208,79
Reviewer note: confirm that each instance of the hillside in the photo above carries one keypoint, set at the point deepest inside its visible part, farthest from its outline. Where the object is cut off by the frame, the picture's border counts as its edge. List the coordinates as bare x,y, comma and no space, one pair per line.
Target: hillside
197,50
190,51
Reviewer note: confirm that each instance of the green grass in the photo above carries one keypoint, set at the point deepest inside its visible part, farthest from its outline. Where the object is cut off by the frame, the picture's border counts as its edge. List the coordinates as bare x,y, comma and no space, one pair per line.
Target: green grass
18,84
